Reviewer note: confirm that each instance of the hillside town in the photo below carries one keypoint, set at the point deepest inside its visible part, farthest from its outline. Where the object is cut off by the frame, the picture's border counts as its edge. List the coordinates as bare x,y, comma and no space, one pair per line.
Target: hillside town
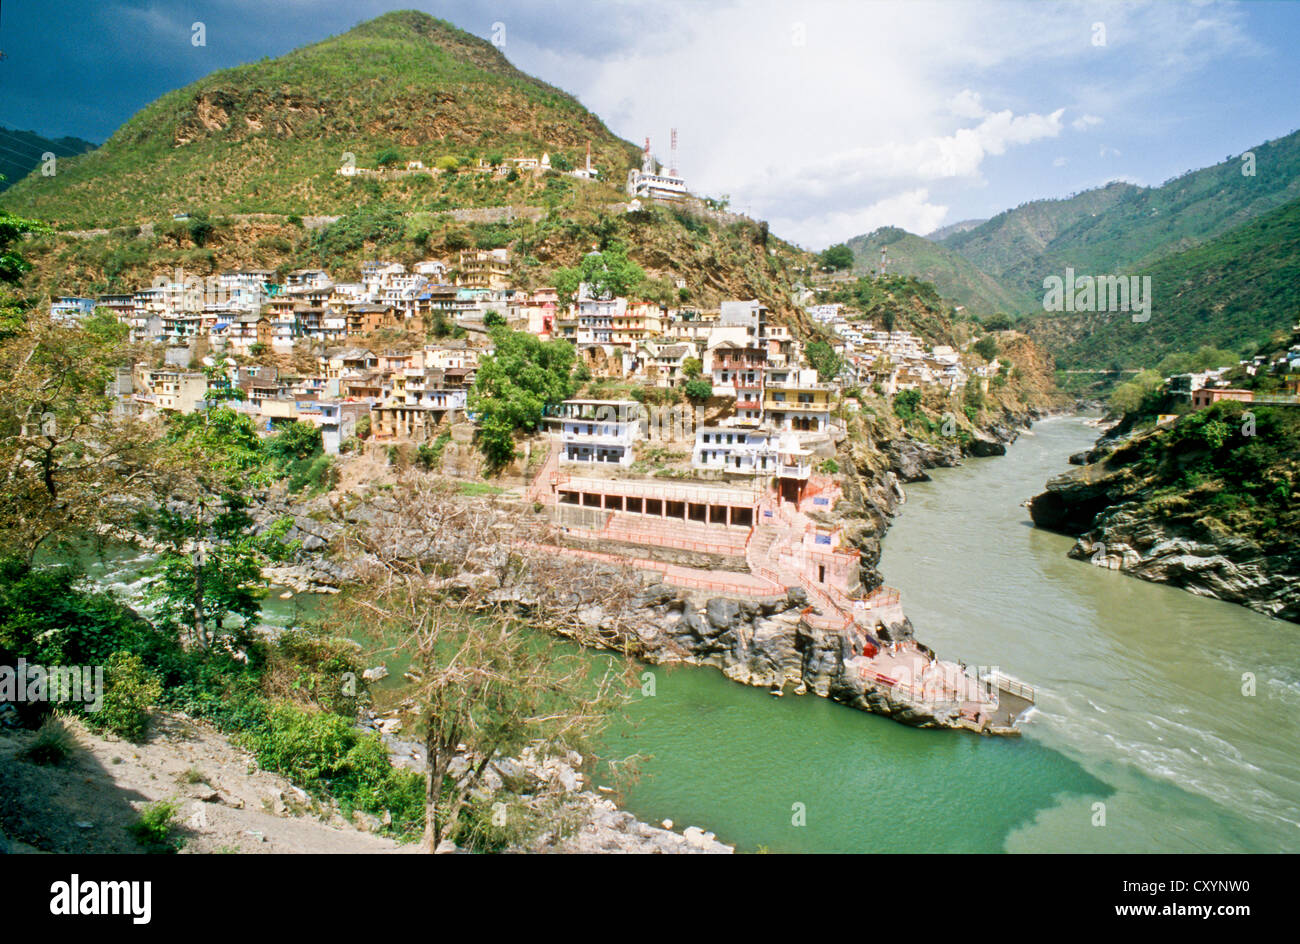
705,449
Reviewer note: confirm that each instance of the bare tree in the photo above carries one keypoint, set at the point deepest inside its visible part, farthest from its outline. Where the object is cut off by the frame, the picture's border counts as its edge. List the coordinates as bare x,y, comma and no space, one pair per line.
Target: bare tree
490,681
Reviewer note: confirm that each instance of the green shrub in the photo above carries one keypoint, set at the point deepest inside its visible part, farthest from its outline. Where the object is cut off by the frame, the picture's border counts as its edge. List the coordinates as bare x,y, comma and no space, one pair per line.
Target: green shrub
325,755
698,390
154,828
45,617
906,404
130,692
430,456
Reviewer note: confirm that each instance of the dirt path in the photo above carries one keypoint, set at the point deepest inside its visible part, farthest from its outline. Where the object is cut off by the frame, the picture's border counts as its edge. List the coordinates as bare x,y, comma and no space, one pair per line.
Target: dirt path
227,804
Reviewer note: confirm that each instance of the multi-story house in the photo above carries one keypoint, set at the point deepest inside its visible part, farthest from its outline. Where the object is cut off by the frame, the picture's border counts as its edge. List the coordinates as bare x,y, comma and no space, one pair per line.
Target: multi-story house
737,370
71,309
484,268
596,316
794,401
599,433
735,450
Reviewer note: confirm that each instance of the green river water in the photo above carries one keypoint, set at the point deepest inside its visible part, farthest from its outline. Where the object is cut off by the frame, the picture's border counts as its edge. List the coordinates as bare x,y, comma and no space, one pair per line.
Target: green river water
1140,704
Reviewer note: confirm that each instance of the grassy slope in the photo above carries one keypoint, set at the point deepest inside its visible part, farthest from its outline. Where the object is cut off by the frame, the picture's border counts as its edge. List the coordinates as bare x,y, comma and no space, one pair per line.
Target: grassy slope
1234,291
269,136
1012,237
956,277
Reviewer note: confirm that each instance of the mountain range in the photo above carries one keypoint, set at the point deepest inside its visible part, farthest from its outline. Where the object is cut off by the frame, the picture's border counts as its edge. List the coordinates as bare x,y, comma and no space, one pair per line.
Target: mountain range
1211,240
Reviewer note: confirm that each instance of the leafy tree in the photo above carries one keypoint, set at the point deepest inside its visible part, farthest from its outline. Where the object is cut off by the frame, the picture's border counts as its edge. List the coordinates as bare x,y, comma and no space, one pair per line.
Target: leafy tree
560,162
294,442
200,228
388,157
494,319
692,369
836,257
987,347
208,586
65,459
698,389
609,273
12,230
1129,396
514,385
823,357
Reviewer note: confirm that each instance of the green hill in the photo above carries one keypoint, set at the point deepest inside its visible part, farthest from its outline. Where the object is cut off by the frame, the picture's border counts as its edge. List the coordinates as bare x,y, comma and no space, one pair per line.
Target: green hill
1012,237
1235,291
21,152
1122,229
269,136
956,278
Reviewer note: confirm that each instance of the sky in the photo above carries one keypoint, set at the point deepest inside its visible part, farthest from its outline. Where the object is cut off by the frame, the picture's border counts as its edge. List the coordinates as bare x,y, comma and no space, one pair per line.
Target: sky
828,118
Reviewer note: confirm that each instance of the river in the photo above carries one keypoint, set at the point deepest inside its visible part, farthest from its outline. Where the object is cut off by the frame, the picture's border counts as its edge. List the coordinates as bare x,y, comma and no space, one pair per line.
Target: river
1140,706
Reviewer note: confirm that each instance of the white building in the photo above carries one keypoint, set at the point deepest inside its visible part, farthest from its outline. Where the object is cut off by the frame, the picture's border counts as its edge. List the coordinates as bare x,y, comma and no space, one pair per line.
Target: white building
599,432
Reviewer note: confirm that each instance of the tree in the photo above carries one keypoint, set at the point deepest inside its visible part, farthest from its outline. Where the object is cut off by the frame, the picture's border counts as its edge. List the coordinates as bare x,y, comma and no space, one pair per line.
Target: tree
692,369
387,157
836,257
66,460
493,319
487,685
987,347
514,385
607,274
12,230
208,584
906,404
823,357
698,389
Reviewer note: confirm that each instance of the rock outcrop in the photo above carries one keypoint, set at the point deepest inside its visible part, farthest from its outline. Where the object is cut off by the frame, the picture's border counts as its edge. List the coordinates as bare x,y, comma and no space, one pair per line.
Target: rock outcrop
1120,523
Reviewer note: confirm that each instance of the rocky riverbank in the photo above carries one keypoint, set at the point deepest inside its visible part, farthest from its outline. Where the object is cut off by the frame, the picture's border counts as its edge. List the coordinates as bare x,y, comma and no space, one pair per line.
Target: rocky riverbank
1128,513
762,643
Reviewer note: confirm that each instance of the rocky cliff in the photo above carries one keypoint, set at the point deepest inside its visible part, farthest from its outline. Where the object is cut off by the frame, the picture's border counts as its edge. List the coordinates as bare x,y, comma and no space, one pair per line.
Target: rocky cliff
1198,506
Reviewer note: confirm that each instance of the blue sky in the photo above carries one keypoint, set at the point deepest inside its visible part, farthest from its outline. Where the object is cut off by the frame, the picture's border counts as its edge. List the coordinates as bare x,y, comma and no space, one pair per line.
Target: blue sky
826,118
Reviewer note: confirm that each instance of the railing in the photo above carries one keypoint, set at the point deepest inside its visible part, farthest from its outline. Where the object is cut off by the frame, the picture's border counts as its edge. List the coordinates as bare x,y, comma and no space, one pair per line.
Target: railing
1010,686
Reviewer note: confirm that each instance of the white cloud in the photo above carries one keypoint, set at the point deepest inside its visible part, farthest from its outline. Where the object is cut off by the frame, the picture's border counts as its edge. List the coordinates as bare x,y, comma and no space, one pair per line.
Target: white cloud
1108,151
883,103
1060,162
911,209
